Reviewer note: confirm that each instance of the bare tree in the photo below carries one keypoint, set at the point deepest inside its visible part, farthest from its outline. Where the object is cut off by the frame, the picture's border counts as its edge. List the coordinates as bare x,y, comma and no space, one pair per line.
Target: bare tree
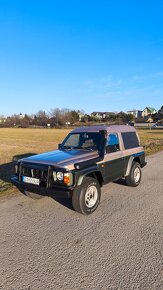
42,118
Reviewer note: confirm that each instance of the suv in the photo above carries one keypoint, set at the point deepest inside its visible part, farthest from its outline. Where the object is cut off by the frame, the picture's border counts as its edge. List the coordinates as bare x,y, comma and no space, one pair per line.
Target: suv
88,158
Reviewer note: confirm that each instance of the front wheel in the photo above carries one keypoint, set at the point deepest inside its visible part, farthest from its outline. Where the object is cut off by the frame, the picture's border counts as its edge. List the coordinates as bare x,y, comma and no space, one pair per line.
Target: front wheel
134,178
86,197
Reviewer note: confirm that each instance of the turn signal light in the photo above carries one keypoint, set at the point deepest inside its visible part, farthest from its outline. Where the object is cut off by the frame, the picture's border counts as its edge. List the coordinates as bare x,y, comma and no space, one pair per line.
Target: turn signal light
68,178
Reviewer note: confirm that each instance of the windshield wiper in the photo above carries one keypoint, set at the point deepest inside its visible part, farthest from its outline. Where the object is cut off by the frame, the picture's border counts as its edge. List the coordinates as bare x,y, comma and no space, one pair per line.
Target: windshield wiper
79,147
91,148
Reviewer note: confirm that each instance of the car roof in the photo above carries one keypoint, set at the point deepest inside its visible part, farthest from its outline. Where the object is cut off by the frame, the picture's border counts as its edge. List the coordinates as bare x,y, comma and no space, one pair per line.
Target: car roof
108,128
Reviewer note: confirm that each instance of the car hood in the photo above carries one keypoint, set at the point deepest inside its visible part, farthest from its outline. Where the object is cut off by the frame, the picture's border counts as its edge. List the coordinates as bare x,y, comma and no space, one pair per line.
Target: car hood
62,158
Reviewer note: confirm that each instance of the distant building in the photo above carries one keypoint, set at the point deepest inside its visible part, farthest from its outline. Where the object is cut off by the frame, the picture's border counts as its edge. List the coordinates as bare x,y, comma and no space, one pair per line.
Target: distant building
2,120
135,113
149,119
148,111
21,116
161,110
102,115
81,115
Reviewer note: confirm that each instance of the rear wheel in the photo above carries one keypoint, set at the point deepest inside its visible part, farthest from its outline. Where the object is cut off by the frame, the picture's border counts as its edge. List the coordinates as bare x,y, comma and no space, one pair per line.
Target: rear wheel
134,178
86,197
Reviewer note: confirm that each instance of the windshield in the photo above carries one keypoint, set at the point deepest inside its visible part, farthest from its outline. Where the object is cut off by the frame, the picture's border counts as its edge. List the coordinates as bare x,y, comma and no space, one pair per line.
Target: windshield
87,141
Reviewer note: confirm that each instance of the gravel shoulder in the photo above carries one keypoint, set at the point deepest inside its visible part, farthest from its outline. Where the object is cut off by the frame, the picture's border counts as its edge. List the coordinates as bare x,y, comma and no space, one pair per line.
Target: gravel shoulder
44,244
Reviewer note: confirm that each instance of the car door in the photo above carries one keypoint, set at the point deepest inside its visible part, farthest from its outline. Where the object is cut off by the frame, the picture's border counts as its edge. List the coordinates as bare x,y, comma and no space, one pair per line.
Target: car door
113,160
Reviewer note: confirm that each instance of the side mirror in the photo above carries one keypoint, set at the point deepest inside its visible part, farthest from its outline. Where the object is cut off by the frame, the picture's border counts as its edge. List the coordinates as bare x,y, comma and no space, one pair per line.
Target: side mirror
59,146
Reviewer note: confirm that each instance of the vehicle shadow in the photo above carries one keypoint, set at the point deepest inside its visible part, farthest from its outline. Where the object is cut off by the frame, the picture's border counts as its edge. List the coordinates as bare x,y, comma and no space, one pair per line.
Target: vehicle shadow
38,193
120,182
62,198
7,169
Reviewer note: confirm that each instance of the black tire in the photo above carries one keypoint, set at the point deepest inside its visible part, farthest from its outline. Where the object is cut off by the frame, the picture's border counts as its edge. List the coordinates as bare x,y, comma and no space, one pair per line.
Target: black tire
86,202
132,179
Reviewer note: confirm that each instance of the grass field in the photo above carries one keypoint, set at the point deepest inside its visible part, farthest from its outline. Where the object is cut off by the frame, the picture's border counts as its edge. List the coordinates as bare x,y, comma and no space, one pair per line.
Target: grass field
15,142
152,140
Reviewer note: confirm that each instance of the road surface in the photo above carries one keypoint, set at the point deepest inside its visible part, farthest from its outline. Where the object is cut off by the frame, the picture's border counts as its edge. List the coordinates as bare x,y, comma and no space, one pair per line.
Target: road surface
44,244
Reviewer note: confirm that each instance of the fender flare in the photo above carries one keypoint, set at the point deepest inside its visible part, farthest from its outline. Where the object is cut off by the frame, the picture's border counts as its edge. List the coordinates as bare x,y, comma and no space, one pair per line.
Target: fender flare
81,177
129,165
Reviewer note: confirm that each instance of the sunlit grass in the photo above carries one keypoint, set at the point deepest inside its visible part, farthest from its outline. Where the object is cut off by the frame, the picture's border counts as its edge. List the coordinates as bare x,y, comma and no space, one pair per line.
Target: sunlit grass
152,140
16,141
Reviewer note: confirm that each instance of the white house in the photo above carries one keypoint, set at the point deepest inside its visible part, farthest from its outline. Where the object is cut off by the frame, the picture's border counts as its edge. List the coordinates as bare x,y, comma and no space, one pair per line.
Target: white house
101,115
135,113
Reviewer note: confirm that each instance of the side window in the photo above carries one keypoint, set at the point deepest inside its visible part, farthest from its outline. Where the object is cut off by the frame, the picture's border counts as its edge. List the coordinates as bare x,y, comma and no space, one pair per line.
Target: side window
130,140
112,143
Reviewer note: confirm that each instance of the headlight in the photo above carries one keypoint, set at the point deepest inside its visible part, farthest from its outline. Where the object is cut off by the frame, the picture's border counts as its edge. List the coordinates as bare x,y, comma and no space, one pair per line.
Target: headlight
66,177
60,176
55,175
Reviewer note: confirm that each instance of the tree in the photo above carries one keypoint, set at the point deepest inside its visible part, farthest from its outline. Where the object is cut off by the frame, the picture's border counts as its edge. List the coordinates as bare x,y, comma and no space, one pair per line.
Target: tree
42,118
55,115
160,113
74,116
62,116
25,121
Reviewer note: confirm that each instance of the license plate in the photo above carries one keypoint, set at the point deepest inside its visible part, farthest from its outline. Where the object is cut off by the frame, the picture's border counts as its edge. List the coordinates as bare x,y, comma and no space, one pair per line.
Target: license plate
31,180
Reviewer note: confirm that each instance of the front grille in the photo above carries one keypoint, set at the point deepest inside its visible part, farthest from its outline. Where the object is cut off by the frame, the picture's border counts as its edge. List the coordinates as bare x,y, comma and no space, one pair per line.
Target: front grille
34,171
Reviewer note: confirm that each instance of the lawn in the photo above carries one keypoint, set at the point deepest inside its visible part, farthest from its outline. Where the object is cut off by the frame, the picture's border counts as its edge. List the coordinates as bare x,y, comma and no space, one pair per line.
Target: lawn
18,141
152,140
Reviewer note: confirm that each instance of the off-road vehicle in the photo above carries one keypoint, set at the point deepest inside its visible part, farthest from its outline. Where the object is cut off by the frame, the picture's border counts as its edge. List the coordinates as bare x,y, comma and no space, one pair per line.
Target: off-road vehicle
88,158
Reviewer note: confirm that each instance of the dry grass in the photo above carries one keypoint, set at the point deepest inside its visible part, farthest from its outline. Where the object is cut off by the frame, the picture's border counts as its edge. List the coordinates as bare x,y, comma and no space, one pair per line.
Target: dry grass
15,142
152,140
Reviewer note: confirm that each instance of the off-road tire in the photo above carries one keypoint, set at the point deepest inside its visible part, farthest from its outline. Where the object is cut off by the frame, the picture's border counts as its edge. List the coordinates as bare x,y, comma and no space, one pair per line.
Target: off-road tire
131,179
80,194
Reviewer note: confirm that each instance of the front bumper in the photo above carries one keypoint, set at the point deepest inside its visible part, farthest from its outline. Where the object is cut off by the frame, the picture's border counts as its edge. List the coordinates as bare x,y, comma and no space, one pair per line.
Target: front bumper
22,186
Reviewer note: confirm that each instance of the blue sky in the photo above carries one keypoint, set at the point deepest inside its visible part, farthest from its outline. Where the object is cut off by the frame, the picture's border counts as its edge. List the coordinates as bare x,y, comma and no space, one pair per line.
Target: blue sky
90,55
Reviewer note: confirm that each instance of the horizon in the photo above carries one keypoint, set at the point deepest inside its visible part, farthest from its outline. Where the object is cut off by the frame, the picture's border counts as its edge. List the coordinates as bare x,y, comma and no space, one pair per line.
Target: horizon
77,110
93,56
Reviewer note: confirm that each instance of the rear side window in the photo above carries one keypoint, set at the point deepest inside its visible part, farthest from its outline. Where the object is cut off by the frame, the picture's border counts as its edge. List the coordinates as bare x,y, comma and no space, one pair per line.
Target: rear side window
112,143
130,140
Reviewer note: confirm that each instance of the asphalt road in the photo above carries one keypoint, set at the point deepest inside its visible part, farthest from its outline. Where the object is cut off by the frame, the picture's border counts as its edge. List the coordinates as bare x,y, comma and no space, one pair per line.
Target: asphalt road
44,244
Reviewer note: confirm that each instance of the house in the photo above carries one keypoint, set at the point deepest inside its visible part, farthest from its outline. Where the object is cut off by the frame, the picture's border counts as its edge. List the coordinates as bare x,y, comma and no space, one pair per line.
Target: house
148,111
135,113
101,115
149,119
161,110
81,115
2,120
21,116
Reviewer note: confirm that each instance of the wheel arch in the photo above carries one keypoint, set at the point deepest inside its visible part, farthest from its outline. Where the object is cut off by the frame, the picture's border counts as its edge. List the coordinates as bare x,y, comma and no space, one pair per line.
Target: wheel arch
130,162
94,174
